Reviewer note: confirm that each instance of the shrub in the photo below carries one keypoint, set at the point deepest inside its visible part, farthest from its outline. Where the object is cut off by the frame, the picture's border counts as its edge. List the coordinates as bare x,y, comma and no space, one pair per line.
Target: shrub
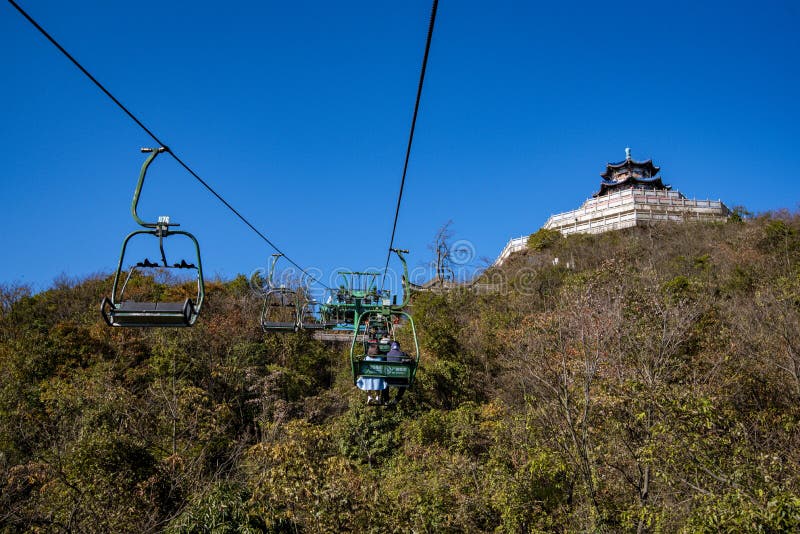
543,239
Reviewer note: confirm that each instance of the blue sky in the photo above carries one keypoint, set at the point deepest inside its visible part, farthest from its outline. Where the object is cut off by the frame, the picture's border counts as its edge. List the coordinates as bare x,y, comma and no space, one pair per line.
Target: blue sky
298,114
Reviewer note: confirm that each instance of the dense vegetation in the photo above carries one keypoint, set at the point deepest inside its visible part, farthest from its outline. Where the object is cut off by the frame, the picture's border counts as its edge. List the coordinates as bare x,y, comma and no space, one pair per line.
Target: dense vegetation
646,381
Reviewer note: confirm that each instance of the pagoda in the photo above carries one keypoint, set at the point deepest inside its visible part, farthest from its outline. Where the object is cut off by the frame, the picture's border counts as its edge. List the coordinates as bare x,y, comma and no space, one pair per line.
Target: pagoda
630,174
632,193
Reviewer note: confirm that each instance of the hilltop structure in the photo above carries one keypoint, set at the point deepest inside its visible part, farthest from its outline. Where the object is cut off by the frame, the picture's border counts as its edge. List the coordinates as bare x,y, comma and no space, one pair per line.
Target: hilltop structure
631,194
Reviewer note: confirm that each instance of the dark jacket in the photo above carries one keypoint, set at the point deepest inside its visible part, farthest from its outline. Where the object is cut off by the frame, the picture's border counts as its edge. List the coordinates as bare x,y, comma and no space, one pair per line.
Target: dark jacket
395,355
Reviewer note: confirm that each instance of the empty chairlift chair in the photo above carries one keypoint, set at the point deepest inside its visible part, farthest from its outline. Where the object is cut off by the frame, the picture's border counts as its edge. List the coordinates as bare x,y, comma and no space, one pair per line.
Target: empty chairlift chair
117,310
280,312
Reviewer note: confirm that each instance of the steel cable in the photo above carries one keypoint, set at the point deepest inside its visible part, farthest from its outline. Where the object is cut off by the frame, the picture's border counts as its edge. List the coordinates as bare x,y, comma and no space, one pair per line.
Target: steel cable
161,143
410,136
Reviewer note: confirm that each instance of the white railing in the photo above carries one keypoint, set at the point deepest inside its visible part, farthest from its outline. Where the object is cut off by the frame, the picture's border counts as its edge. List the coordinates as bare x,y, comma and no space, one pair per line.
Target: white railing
514,245
625,208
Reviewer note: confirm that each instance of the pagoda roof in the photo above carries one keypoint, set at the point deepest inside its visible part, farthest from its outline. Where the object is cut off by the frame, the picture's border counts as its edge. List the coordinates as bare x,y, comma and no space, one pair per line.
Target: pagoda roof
628,163
606,186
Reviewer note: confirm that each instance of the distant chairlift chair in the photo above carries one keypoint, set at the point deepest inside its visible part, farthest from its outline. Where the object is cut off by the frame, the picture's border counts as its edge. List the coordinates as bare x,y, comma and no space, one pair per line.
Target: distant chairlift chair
280,312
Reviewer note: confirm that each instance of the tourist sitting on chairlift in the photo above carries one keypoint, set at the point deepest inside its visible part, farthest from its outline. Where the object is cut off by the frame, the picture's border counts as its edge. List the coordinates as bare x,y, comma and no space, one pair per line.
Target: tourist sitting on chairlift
375,387
373,349
395,354
385,344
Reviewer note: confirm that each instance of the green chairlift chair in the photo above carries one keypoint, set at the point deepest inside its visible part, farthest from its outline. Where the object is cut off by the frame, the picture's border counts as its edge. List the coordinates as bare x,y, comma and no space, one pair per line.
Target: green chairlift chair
118,311
399,373
280,310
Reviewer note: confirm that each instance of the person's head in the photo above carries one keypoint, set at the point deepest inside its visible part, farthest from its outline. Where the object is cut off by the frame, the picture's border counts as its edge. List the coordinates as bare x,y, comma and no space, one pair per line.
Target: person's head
395,345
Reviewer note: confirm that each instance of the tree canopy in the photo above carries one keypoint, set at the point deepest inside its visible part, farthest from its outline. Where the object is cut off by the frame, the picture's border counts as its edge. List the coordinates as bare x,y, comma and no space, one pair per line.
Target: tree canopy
647,381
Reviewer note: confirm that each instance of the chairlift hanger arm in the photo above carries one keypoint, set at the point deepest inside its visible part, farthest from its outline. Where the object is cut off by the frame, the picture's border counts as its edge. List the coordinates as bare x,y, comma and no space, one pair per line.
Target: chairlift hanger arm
271,275
406,284
154,152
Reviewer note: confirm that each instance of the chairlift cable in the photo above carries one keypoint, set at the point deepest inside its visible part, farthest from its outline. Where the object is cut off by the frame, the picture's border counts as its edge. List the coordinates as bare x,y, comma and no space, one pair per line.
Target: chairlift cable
410,136
160,143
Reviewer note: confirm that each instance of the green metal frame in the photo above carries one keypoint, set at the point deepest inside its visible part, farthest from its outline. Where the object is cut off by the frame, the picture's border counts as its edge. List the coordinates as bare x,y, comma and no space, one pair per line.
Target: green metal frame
358,291
117,312
396,374
281,326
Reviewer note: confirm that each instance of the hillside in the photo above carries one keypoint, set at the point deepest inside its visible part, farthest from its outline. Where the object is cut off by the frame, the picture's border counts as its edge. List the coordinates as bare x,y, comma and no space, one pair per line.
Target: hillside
647,381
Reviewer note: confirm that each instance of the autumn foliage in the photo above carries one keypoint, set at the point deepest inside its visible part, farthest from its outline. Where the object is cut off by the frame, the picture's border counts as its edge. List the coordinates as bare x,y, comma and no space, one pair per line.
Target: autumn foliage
648,380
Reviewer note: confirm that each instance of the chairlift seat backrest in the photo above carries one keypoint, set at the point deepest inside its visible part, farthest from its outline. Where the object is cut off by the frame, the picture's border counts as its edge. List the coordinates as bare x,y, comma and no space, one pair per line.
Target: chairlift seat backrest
397,374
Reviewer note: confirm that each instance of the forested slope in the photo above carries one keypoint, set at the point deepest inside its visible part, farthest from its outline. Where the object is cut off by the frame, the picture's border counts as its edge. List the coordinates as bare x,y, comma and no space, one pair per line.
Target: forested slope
649,380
